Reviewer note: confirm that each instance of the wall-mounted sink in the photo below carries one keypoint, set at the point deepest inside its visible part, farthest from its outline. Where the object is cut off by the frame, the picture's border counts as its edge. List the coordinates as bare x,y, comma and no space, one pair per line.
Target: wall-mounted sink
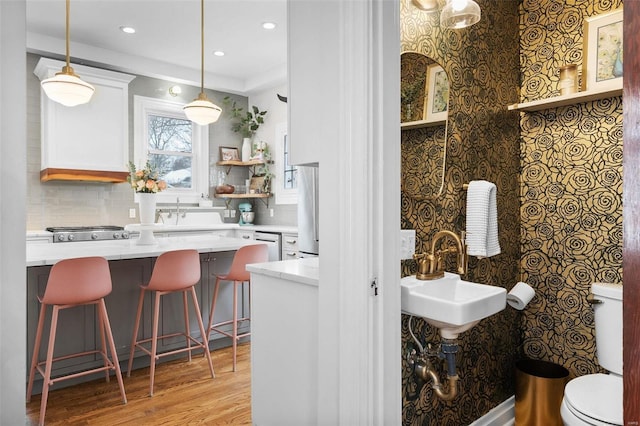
450,303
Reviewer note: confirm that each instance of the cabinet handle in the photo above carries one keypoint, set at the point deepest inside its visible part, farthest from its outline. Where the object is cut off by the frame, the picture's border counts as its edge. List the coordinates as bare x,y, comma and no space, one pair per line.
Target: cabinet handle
292,254
291,241
246,237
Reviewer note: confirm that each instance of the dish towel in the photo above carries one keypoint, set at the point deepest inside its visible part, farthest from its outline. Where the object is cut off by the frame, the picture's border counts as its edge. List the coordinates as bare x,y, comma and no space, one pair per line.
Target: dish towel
482,219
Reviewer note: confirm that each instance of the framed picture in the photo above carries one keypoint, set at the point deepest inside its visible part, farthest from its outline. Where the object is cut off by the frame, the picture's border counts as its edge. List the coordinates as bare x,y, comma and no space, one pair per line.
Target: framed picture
437,98
229,154
602,55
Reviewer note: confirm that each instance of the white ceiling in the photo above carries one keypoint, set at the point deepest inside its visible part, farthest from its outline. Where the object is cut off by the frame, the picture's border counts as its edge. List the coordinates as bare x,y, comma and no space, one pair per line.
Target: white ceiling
167,41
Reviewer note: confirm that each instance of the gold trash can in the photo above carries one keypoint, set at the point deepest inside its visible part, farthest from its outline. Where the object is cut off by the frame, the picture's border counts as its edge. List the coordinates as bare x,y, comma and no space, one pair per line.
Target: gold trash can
539,392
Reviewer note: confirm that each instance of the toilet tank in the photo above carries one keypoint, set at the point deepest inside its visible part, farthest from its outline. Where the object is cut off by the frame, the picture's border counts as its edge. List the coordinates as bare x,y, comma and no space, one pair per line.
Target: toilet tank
608,323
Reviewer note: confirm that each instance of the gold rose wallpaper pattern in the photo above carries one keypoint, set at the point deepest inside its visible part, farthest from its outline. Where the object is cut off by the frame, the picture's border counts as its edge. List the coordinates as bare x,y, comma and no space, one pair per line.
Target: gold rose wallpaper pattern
558,174
571,189
482,143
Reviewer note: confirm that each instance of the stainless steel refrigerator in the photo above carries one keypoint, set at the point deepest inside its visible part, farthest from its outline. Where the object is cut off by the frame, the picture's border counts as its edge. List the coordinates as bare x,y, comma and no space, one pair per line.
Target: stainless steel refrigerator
308,213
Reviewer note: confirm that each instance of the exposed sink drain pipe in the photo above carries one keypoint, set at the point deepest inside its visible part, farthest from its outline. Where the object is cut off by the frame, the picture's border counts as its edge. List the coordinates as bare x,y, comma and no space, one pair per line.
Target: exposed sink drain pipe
424,369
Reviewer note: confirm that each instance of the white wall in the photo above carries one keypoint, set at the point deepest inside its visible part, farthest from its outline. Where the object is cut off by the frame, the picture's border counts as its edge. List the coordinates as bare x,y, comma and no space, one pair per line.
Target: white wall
283,214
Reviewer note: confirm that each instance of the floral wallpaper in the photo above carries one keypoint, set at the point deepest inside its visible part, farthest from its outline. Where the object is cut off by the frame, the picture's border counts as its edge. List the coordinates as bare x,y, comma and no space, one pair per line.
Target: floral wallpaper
558,174
482,143
571,189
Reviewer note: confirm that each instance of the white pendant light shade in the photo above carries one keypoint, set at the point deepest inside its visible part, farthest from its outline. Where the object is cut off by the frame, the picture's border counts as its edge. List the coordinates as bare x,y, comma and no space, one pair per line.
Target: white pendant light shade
202,111
426,5
67,88
459,14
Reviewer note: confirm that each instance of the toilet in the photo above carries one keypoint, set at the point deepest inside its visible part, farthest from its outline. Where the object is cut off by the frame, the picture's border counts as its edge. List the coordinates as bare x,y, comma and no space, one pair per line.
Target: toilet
596,399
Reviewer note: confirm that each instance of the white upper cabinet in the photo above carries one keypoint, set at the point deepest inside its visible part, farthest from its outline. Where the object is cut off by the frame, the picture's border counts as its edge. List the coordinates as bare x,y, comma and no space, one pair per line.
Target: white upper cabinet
90,141
313,59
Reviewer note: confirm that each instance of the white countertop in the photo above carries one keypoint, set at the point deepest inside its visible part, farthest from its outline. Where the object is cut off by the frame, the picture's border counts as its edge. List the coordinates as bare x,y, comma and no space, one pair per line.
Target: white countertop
48,254
305,271
161,227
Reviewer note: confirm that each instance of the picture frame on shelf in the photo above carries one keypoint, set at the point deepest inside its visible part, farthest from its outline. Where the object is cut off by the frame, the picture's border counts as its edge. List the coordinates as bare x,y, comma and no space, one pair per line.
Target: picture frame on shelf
602,54
437,97
228,153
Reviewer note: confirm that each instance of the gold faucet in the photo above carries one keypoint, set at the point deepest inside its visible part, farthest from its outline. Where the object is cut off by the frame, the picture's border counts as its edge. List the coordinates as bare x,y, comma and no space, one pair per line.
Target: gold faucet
430,265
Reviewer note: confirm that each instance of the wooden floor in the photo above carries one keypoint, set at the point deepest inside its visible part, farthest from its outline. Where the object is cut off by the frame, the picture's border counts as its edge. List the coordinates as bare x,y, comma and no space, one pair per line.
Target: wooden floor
184,394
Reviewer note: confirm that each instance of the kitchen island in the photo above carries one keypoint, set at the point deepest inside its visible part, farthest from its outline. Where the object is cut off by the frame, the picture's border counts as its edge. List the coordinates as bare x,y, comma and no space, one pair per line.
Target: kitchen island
284,340
130,264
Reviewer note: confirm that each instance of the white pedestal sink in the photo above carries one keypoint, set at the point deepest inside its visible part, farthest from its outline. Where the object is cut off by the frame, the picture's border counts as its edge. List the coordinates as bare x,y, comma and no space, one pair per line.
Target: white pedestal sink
450,303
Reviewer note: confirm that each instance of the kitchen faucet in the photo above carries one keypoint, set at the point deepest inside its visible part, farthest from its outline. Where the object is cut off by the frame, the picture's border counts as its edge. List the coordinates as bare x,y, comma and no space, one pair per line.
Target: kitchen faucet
177,209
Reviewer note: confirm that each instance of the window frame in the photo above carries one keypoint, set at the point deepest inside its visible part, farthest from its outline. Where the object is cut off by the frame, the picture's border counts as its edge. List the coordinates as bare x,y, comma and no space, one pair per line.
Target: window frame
282,194
143,108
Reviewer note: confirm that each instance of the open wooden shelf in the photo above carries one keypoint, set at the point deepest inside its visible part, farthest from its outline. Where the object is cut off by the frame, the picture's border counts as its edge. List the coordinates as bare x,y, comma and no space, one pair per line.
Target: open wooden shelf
564,100
228,197
421,123
242,195
240,163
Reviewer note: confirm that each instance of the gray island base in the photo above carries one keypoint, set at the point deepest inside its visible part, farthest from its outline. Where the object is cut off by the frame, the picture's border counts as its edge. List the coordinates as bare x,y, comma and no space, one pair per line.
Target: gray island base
130,265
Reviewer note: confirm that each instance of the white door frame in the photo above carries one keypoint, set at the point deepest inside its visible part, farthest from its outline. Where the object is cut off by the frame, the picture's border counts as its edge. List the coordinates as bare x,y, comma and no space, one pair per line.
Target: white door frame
13,163
359,378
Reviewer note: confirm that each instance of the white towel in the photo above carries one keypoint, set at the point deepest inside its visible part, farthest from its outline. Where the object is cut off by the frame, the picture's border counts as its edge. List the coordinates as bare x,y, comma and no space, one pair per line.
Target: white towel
482,219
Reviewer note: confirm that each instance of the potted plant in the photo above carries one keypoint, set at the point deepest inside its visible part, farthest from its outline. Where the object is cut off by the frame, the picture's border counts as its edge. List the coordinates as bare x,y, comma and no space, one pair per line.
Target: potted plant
246,123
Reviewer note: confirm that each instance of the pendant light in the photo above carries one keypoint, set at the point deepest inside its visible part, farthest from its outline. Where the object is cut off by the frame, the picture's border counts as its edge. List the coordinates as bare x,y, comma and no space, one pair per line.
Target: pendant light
202,111
66,87
426,5
458,14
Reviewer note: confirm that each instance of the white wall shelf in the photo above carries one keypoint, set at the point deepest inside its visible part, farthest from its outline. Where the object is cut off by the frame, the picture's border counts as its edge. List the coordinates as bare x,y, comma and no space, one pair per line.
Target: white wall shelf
421,123
564,100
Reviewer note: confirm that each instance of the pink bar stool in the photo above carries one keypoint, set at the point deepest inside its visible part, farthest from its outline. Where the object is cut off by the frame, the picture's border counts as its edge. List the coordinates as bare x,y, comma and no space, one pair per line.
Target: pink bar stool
239,275
71,283
174,271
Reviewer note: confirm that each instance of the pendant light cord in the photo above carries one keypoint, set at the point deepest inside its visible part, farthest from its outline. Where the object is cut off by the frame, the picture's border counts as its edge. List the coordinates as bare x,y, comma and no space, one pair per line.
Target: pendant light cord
201,46
67,32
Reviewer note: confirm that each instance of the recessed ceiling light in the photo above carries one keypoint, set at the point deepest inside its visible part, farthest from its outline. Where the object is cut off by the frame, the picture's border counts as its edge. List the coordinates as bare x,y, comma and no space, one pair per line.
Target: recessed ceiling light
218,53
268,25
128,30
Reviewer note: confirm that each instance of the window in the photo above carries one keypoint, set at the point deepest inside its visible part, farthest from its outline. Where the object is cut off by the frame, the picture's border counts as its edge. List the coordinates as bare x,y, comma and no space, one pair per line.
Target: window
285,184
178,148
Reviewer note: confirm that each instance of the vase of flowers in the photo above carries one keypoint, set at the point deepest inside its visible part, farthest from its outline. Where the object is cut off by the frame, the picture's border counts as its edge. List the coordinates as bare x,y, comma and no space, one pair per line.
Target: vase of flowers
146,183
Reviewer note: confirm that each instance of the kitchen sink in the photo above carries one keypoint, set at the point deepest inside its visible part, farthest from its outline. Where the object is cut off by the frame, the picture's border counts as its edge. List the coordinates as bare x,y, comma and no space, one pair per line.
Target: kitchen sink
450,303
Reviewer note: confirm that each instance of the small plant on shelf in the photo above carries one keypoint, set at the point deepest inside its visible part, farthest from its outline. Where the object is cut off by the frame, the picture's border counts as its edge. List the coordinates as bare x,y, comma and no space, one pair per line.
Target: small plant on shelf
246,123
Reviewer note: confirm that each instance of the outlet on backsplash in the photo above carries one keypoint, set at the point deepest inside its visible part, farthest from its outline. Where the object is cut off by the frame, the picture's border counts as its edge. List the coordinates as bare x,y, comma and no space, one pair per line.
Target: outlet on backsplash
132,213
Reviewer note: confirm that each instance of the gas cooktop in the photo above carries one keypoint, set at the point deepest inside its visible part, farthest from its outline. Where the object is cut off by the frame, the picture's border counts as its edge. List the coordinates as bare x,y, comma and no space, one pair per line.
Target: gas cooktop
66,234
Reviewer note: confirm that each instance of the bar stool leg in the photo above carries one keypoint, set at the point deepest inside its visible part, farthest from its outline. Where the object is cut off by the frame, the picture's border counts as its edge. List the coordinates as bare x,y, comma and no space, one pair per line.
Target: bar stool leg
154,340
36,351
186,322
213,307
46,382
102,340
112,347
135,331
202,332
235,323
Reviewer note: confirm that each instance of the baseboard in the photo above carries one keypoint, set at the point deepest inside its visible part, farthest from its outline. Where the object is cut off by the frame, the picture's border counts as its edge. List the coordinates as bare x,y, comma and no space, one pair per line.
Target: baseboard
502,415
